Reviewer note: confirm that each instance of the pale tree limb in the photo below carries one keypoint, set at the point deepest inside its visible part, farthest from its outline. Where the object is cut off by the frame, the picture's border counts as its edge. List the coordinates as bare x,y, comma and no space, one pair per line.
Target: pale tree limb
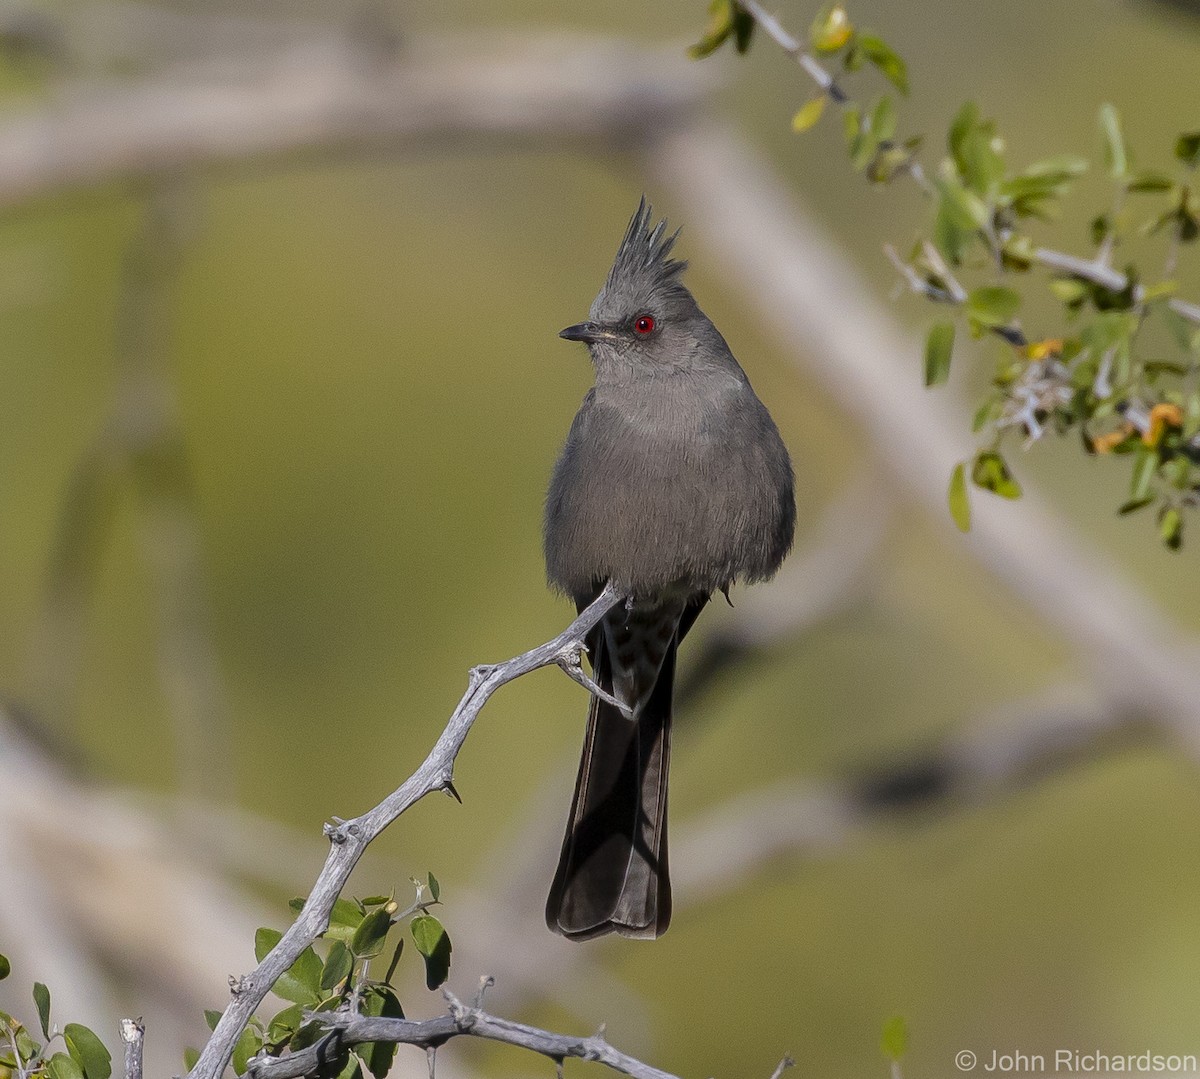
140,446
90,854
323,98
350,838
830,571
998,755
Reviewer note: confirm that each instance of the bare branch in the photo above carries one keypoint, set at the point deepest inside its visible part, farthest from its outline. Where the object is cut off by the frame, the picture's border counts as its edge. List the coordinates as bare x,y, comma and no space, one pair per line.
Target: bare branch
462,1019
772,27
1106,277
322,98
132,1034
782,1066
996,756
350,838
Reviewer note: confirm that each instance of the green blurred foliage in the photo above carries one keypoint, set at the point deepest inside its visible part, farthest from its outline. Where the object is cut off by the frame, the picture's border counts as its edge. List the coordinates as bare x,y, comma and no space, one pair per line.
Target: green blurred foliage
372,394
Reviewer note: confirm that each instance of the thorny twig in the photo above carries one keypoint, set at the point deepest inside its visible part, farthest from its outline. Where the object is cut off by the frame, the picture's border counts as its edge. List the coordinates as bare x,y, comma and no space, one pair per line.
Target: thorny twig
350,838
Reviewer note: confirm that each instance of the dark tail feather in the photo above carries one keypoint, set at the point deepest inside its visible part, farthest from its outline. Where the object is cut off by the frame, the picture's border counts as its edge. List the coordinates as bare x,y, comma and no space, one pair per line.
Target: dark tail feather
612,874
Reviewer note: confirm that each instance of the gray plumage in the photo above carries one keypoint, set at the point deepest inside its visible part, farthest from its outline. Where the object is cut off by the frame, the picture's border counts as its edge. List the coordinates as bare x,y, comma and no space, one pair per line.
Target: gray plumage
673,483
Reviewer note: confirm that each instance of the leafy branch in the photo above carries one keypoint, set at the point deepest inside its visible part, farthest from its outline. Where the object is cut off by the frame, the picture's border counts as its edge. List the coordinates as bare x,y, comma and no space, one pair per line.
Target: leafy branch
1100,371
346,1030
83,1055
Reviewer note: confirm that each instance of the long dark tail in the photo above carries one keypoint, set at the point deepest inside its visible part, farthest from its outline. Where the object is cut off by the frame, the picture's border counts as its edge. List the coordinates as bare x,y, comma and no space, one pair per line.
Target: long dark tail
612,873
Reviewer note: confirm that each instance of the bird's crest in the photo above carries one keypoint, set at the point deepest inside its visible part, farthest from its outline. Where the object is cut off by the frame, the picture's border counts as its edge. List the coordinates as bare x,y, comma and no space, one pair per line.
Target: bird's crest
643,263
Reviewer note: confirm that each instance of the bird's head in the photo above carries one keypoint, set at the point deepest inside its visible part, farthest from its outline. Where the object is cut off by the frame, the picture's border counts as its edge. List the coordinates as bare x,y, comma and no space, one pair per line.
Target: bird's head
644,318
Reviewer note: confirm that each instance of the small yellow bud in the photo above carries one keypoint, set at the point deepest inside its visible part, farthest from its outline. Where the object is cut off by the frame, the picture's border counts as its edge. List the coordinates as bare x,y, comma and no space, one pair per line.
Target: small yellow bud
1162,416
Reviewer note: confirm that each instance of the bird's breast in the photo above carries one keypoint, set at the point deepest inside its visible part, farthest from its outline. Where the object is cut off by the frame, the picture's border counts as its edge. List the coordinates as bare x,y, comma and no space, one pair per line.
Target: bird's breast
662,489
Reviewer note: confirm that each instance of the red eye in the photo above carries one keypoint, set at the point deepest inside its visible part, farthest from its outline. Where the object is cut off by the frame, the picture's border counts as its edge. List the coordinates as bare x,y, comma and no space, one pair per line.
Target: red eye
643,324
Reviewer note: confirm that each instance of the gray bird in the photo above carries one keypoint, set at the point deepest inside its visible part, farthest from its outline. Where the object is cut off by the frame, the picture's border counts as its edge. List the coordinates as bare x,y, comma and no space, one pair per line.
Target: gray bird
673,484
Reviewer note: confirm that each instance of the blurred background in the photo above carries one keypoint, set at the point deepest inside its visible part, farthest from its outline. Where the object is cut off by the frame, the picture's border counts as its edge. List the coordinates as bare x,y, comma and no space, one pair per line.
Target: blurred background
282,390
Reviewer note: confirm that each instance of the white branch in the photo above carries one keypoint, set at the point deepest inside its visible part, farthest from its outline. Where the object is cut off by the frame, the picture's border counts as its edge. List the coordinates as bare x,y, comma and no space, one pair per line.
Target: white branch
463,1019
349,839
325,98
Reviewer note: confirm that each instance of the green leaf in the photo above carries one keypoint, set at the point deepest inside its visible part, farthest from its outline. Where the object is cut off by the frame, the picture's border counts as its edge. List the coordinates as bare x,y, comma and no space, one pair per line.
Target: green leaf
976,151
1070,290
1116,155
1062,167
1187,148
87,1051
1146,182
369,937
351,1069
988,411
284,1025
346,914
62,1066
990,472
831,30
264,940
894,1041
212,1018
883,119
1109,330
965,121
1032,193
395,960
879,53
376,900
433,943
992,305
26,1046
41,997
960,505
949,235
860,138
966,209
938,348
191,1057
5,967
1145,465
1133,505
1191,416
720,26
378,1056
435,889
1170,528
310,1033
743,28
808,114
338,965
301,982
247,1045
1017,253
887,162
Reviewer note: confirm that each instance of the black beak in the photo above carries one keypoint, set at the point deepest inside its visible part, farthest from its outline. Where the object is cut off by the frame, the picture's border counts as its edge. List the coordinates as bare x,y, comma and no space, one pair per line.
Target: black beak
584,331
